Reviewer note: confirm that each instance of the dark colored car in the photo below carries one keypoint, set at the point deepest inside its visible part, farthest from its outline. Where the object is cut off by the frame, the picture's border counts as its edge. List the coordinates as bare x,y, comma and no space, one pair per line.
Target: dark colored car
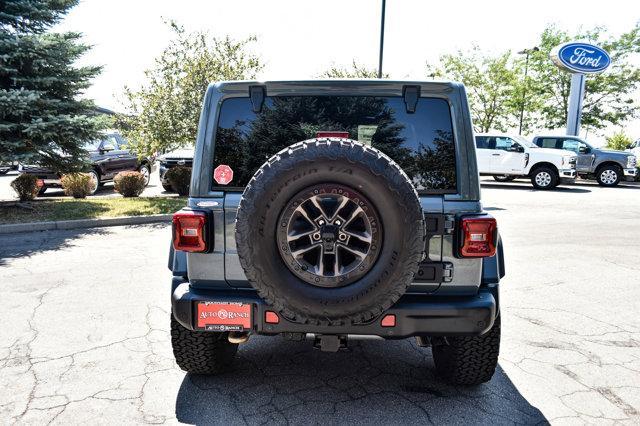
7,167
179,157
109,156
336,209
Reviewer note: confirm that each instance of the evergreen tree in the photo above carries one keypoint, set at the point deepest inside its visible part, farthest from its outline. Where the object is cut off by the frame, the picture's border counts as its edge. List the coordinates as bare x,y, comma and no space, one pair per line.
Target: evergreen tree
42,119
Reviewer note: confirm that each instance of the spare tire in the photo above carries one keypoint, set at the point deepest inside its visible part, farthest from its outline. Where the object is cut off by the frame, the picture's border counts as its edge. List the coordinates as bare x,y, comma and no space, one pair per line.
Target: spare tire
330,231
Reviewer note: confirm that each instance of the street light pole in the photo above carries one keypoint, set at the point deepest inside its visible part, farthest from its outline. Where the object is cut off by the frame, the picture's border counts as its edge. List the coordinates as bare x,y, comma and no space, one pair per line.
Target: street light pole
384,3
524,89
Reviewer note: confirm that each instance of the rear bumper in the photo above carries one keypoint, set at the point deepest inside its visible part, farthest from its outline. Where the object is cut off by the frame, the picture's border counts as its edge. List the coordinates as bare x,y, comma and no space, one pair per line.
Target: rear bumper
414,314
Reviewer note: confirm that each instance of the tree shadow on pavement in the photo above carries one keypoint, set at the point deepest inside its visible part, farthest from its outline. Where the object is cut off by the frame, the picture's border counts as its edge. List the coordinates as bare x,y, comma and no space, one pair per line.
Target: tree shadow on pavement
374,381
27,244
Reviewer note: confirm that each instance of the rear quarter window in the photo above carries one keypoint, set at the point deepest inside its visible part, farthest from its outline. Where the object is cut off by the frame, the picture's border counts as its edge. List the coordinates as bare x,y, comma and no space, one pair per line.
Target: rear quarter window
422,143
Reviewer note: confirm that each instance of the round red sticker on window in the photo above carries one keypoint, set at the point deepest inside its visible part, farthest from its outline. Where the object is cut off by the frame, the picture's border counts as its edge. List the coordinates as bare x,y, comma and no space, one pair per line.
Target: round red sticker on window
223,174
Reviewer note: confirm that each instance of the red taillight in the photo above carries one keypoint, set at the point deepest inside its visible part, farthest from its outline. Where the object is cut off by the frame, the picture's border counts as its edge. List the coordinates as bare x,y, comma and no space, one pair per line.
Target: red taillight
188,231
478,236
331,134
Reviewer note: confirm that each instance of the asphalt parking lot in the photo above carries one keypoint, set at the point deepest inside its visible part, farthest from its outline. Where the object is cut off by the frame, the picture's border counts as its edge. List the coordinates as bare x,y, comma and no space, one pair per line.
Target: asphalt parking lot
85,336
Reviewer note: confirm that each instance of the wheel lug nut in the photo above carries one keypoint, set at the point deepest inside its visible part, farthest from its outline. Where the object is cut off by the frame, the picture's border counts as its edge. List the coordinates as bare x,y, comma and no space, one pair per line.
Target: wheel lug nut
342,237
316,236
321,222
338,222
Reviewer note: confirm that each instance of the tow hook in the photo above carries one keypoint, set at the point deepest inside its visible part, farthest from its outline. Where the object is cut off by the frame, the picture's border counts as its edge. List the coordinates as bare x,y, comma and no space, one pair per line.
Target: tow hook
238,337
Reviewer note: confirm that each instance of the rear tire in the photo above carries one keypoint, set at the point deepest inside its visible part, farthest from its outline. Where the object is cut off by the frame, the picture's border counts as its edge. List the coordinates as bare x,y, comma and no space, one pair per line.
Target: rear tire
468,360
96,178
145,170
544,177
609,175
201,352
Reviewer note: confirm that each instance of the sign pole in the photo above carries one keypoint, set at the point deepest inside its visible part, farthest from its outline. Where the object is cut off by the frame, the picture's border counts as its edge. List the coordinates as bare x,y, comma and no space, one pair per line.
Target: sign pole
580,59
576,96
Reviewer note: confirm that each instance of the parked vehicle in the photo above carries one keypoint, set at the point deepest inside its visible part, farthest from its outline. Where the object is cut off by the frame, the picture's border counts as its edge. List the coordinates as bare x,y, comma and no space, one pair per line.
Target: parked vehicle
7,167
507,157
608,167
337,208
179,157
108,156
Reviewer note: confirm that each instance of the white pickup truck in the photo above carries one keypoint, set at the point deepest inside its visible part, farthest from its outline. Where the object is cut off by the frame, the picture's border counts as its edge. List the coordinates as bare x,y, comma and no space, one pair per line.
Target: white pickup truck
507,157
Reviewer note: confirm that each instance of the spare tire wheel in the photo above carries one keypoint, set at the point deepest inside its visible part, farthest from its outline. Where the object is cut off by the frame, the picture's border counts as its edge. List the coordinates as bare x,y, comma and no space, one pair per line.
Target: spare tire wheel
330,231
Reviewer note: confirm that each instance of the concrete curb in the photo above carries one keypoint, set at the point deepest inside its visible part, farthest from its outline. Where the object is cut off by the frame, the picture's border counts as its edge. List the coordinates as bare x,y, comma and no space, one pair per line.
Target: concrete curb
83,223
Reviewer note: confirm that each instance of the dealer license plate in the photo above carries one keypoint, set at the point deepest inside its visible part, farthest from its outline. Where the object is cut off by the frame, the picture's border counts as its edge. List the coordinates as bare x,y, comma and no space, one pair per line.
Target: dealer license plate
224,316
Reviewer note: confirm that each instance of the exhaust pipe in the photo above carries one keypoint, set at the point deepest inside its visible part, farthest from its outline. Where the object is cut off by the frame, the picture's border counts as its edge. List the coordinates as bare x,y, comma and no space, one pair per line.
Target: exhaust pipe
238,337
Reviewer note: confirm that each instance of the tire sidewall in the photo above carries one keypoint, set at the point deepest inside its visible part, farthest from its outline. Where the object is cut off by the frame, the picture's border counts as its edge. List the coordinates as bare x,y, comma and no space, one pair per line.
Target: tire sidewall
296,297
95,175
552,184
615,169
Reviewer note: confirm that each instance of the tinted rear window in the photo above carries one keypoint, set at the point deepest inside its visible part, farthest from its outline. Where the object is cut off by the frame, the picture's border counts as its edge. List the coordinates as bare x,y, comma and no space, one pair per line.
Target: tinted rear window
421,143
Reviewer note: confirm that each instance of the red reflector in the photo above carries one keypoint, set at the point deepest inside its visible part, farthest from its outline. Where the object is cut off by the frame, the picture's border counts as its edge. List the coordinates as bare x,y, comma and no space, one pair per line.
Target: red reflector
478,236
388,321
333,134
271,317
188,231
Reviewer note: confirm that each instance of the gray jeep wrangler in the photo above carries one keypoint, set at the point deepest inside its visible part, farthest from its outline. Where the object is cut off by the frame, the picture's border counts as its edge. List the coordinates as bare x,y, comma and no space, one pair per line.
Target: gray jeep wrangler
327,210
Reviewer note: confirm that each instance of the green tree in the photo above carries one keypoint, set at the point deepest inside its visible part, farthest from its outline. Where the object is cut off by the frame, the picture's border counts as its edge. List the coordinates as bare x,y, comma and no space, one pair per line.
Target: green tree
356,71
41,118
163,113
492,86
618,141
609,96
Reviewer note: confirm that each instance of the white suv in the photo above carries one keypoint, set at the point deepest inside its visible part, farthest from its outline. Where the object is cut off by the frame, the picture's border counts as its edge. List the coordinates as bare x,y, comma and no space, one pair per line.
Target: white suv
507,157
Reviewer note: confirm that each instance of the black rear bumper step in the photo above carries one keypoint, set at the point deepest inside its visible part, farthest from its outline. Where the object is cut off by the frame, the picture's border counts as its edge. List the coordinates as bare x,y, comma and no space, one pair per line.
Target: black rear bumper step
414,314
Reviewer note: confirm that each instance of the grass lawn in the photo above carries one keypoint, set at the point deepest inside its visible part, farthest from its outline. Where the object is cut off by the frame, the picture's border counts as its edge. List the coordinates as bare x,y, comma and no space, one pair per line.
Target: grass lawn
89,208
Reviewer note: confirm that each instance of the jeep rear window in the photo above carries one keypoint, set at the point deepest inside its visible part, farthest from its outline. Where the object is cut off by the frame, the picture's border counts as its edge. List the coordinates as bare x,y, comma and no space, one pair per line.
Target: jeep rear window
420,142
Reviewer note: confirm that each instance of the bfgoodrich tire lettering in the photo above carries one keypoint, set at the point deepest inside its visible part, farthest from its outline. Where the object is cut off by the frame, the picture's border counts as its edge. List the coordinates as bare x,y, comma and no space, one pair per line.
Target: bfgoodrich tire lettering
340,162
469,360
201,352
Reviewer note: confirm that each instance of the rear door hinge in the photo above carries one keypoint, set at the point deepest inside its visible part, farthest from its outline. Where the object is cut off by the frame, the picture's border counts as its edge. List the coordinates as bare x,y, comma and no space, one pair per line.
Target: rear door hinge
434,272
447,272
449,223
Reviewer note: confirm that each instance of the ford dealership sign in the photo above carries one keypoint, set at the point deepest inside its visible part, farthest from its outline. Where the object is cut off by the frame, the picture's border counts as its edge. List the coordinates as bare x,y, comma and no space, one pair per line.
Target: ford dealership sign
583,58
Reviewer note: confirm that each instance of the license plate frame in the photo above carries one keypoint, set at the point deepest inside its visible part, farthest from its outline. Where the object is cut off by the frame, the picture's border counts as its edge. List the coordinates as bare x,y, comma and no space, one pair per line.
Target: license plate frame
224,316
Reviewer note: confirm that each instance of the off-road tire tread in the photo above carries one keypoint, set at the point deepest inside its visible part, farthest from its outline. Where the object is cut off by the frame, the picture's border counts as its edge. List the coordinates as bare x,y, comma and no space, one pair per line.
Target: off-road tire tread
308,152
201,352
469,360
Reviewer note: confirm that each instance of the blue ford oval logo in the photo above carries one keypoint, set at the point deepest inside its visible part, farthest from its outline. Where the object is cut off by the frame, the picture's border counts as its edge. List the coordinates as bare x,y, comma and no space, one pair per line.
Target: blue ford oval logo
581,58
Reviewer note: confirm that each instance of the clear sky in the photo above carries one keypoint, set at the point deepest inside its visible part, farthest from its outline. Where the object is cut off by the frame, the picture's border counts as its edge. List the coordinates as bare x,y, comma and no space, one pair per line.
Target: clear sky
300,39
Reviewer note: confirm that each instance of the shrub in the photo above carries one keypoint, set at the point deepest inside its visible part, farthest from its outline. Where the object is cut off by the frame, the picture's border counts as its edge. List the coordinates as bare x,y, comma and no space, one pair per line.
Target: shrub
129,184
180,177
619,141
78,185
26,186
